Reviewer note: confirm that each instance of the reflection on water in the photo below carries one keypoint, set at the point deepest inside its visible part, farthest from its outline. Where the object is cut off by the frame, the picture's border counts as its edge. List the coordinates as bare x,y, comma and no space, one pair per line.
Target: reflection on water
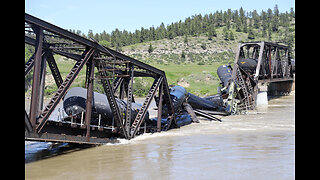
41,150
259,145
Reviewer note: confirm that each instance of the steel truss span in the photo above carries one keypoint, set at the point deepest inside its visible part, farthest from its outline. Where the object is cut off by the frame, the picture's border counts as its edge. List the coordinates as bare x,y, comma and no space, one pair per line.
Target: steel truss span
115,71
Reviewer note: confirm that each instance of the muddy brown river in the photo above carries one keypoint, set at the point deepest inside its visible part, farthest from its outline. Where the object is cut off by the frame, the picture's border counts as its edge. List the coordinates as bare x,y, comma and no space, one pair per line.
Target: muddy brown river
259,145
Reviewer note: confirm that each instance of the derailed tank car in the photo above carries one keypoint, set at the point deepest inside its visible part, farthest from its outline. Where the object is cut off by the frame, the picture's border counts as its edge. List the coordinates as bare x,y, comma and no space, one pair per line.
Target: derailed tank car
248,64
224,72
75,105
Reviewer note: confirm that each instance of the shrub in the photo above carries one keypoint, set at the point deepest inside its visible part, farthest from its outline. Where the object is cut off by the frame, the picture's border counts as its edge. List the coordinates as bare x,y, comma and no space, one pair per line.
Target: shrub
203,46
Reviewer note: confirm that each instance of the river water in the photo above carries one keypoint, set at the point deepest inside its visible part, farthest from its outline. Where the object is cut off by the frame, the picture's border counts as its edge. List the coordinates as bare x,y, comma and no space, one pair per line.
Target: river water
259,145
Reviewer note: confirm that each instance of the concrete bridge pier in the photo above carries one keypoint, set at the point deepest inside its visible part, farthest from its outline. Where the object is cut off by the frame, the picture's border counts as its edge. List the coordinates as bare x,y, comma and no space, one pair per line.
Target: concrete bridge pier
262,96
279,88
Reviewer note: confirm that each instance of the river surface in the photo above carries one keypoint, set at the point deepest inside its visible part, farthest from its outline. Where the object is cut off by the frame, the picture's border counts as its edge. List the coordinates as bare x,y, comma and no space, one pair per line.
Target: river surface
259,145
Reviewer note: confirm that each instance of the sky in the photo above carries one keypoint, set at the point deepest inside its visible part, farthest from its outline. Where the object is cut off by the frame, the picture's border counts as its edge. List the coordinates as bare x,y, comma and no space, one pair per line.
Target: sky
100,15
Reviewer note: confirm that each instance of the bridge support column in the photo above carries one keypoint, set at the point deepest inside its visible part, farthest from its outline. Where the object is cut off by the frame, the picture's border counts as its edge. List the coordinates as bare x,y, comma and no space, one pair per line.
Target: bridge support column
262,96
89,103
35,93
160,108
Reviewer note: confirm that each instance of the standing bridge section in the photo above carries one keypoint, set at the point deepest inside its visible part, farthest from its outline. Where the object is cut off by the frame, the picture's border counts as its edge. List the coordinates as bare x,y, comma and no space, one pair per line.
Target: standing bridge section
115,71
256,63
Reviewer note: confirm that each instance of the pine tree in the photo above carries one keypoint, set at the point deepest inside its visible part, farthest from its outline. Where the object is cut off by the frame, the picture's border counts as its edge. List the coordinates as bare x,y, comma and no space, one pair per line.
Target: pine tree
238,27
269,15
218,18
96,37
269,33
171,31
183,55
239,20
211,32
203,46
150,49
185,39
116,39
103,35
292,14
124,38
228,24
251,34
245,28
256,19
90,34
152,34
225,33
276,10
290,41
137,36
231,36
162,31
143,35
242,16
264,32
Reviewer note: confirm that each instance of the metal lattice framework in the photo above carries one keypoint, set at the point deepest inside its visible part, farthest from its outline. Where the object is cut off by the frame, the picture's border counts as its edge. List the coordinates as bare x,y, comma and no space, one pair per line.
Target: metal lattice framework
273,65
115,71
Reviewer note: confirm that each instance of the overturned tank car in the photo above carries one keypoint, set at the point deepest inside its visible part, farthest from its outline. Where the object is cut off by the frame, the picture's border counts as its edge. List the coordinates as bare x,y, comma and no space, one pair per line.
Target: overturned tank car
74,105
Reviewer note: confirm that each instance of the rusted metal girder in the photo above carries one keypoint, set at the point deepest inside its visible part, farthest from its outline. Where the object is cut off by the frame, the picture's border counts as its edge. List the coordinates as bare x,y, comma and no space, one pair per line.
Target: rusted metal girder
141,114
54,69
89,96
63,89
108,89
127,121
160,108
36,78
28,66
56,137
259,61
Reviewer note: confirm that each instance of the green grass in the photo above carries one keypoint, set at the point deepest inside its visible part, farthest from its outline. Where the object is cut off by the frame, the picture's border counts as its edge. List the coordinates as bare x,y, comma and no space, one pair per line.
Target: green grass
202,79
65,65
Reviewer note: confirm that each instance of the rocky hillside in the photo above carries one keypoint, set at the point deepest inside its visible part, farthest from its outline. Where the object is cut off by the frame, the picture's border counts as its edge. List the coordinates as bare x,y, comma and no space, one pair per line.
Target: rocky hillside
197,50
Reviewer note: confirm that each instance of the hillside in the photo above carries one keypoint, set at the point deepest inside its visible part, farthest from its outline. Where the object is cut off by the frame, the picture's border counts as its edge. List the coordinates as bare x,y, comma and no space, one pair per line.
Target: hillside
193,63
199,49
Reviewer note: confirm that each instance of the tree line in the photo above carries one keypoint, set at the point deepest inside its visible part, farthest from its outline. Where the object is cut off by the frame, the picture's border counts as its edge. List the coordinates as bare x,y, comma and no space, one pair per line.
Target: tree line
266,22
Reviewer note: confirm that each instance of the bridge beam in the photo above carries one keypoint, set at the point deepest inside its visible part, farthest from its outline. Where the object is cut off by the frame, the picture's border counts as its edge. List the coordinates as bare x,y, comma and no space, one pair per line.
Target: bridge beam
260,59
89,96
34,107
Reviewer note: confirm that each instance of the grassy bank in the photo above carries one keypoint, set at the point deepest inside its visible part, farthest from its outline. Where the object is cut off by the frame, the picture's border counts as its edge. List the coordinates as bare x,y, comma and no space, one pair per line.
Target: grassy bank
197,79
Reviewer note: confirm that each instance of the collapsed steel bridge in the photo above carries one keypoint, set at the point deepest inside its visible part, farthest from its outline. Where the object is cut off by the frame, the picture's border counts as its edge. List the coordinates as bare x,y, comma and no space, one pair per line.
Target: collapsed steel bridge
255,63
115,71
